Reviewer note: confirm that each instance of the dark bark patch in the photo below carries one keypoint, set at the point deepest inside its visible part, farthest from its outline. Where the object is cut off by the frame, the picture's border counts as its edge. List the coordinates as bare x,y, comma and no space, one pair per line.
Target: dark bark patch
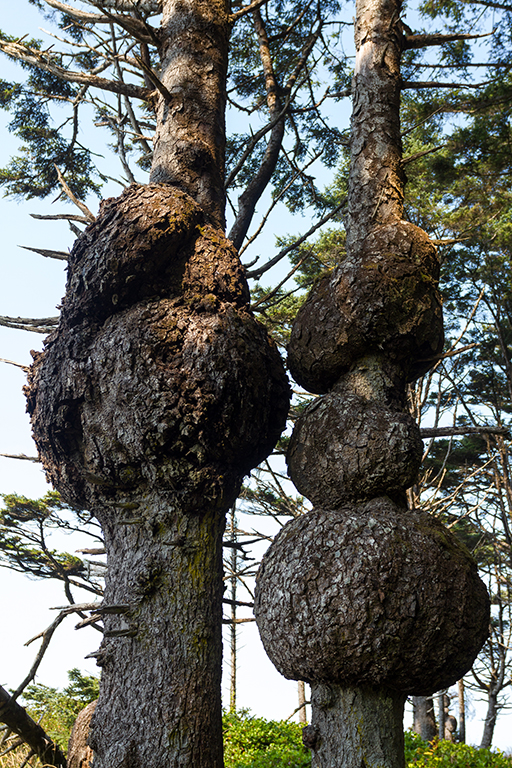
371,594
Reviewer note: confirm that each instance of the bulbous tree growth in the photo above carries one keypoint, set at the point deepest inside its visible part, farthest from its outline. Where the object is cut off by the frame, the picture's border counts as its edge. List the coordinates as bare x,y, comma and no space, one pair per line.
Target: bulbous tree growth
156,394
363,598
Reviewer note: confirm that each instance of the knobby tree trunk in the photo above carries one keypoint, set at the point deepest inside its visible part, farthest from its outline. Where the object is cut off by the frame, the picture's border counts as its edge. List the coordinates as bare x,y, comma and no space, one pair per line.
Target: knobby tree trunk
157,393
355,595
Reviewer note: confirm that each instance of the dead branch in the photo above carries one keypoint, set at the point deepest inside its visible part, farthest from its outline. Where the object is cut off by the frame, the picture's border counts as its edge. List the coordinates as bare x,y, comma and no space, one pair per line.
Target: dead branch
452,431
422,41
21,456
60,216
74,199
48,254
17,719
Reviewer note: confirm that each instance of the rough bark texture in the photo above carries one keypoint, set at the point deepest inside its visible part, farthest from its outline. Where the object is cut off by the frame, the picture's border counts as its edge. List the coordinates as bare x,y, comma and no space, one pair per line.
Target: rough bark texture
355,727
377,179
385,296
162,678
349,595
80,754
374,446
155,396
190,136
158,377
360,596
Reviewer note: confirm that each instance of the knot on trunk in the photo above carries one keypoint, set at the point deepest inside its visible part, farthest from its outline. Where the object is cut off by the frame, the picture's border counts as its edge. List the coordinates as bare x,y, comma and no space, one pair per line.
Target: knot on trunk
158,375
348,596
384,299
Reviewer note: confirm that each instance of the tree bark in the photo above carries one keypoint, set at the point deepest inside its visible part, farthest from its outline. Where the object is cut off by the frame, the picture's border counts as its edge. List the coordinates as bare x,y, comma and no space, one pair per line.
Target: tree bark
376,182
190,136
462,711
490,718
354,727
161,661
424,718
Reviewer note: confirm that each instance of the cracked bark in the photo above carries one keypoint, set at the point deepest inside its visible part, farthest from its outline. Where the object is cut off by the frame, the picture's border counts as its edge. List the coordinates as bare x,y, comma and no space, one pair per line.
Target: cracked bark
155,395
363,598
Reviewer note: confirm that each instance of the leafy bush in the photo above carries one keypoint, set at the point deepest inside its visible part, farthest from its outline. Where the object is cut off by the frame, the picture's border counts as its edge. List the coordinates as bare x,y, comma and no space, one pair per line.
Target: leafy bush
253,742
444,754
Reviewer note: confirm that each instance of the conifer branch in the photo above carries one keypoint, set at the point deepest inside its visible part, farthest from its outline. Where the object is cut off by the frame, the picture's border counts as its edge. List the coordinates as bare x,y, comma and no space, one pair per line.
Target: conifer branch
453,431
39,60
36,325
432,84
89,215
246,9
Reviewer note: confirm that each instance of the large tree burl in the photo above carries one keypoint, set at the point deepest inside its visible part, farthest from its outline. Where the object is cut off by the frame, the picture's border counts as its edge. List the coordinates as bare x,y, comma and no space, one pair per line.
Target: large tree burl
356,442
371,594
158,375
383,299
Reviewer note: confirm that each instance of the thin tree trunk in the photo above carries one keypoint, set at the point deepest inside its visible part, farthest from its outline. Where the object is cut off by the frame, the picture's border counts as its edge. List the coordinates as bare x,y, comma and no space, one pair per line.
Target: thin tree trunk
359,726
161,660
424,718
232,629
462,711
301,690
490,719
440,714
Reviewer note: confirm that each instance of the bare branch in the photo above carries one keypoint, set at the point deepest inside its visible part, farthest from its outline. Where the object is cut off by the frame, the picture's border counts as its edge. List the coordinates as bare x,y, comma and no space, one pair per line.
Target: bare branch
417,155
25,368
74,199
422,41
247,9
21,456
59,217
128,6
36,325
451,431
269,264
39,60
432,84
60,255
33,734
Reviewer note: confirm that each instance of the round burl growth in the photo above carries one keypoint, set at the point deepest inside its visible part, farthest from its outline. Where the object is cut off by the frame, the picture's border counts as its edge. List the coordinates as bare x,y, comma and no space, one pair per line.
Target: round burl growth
155,379
356,442
371,594
384,299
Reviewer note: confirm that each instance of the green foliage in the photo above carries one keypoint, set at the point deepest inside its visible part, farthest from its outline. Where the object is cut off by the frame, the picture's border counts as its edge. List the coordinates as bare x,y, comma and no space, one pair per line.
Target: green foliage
25,527
253,742
441,754
59,708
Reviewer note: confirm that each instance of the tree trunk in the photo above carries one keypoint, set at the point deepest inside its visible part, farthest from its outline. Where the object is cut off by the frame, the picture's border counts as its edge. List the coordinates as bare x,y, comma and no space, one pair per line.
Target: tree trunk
490,718
301,690
424,717
354,727
161,660
190,136
462,711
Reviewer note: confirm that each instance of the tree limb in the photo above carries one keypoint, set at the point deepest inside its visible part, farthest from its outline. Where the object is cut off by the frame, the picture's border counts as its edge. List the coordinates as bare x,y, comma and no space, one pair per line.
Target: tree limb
432,84
38,59
36,325
247,9
422,41
451,431
22,456
17,719
60,255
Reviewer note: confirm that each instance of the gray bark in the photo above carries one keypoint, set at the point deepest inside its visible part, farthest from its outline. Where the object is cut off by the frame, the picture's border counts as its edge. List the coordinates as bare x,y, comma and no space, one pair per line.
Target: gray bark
161,662
424,717
355,727
462,711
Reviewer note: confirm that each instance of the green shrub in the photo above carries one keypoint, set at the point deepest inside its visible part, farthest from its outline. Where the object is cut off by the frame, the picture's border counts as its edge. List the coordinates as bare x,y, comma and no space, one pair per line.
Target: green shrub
253,742
444,754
